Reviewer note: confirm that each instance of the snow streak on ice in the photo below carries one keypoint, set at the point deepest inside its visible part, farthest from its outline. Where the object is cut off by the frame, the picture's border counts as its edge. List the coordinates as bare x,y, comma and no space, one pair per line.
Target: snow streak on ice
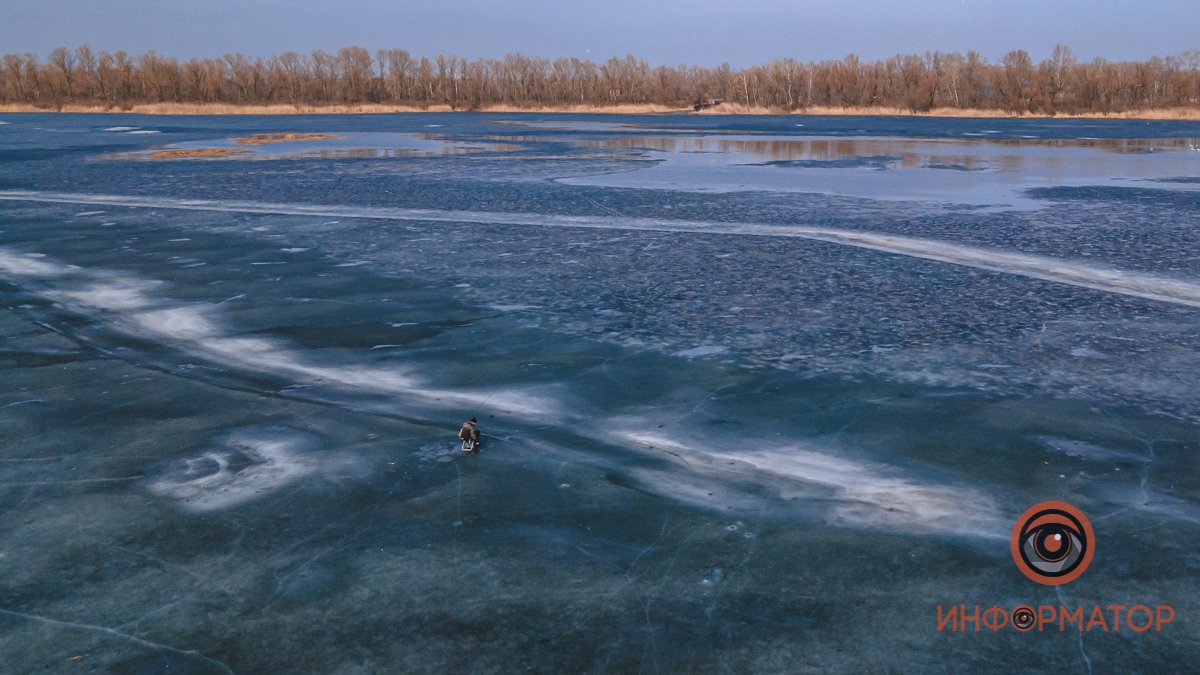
1063,271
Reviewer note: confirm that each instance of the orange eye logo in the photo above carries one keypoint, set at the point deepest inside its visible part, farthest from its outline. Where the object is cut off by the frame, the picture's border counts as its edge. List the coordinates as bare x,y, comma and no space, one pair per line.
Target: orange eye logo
1053,543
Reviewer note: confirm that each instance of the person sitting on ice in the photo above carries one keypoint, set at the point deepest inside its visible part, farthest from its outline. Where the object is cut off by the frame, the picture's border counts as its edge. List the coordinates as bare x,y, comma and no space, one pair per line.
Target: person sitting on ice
469,435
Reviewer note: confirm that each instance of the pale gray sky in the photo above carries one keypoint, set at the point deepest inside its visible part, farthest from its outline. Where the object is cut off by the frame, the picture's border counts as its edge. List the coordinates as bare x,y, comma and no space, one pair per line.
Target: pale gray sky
702,32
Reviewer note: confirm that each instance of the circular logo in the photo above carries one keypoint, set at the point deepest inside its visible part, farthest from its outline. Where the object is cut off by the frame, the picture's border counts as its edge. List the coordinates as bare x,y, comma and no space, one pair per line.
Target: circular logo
1053,543
1023,618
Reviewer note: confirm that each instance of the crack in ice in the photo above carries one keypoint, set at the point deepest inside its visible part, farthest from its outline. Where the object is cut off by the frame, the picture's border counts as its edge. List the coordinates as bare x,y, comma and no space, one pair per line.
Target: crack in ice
117,634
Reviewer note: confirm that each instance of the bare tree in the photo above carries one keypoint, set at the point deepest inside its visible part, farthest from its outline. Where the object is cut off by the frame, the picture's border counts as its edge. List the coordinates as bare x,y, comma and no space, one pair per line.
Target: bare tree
354,66
62,61
1016,81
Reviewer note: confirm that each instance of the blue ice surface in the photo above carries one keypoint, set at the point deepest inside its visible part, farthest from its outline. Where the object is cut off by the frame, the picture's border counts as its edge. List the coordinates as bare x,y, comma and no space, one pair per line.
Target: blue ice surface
754,394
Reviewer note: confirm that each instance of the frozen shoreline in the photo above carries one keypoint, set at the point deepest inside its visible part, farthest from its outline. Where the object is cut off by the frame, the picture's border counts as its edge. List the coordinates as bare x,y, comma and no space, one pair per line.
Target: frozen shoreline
647,109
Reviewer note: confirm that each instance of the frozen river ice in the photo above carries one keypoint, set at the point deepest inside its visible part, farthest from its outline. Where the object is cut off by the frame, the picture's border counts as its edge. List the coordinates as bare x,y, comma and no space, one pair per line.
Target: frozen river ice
757,393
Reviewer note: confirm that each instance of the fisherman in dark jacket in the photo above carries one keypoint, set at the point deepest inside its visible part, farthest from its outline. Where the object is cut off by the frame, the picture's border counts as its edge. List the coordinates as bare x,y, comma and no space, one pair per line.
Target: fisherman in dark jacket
469,435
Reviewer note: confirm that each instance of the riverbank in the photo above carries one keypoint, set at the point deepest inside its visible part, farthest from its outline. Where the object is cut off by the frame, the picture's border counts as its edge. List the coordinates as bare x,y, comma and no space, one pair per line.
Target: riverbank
631,109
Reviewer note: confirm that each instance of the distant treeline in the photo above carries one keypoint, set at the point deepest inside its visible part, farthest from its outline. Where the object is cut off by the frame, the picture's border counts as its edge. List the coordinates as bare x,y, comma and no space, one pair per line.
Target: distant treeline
1017,84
